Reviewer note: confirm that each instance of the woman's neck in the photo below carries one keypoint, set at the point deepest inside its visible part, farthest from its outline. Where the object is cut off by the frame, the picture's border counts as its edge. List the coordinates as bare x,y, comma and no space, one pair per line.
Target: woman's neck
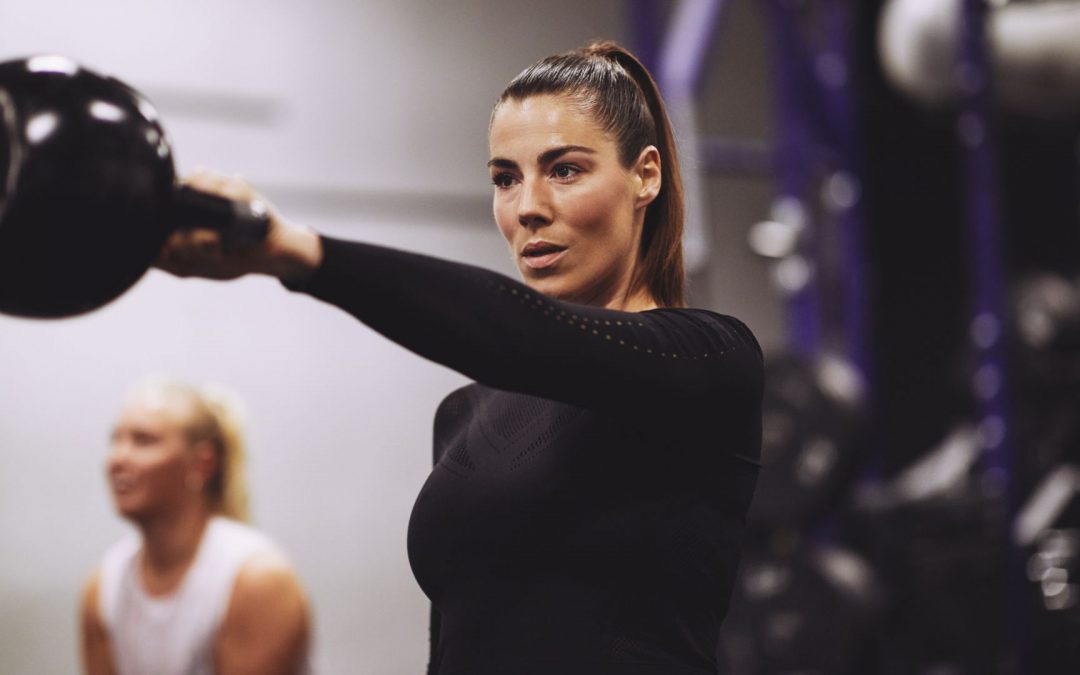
170,544
640,301
630,293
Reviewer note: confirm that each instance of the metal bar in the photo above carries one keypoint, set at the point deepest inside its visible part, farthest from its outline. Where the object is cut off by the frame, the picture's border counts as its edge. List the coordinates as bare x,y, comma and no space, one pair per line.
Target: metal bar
646,29
985,231
795,162
684,52
834,69
975,129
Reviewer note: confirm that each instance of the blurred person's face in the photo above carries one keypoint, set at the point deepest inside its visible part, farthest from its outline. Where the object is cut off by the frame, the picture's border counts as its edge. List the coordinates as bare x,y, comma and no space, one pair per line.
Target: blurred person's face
570,211
152,466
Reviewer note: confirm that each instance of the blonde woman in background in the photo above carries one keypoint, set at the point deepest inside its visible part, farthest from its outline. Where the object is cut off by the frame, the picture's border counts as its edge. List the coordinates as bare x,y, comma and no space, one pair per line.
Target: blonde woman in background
196,591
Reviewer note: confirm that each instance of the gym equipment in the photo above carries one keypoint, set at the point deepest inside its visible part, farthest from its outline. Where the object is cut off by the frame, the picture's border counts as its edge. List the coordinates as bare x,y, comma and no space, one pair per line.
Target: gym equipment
1045,332
811,609
1047,533
814,427
1033,50
936,532
1043,337
88,190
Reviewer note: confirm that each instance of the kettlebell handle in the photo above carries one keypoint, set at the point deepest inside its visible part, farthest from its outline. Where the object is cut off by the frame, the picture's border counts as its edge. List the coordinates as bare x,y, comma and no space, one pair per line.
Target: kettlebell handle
241,223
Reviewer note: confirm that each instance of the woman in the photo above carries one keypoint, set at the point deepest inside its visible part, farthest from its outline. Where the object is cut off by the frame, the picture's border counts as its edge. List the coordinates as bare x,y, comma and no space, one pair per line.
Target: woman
197,592
587,504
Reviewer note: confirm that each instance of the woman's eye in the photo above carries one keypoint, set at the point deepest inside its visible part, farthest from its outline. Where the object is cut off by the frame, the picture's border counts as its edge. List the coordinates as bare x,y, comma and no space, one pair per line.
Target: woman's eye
565,171
502,180
143,439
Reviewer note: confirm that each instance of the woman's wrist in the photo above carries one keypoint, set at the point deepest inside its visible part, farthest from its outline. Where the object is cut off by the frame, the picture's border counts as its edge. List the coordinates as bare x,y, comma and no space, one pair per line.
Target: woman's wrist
297,254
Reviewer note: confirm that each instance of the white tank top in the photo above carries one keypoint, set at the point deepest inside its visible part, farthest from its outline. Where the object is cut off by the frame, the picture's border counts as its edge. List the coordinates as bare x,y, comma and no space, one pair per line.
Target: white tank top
174,634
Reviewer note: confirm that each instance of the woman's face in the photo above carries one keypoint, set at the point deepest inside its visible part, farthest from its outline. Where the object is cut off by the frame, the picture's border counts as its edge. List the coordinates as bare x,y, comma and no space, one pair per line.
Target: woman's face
570,211
152,467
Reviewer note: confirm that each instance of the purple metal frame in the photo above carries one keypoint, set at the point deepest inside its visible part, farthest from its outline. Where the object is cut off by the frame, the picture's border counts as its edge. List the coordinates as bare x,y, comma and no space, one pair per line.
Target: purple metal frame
838,82
816,136
686,45
646,31
984,230
675,56
796,159
989,382
817,139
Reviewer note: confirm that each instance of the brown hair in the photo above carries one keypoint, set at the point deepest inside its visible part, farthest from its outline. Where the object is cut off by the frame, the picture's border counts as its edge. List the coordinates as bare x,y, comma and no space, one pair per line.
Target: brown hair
617,90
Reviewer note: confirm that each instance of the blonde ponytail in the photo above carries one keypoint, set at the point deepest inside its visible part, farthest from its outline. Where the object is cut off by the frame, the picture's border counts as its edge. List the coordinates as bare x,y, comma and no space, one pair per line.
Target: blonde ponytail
227,490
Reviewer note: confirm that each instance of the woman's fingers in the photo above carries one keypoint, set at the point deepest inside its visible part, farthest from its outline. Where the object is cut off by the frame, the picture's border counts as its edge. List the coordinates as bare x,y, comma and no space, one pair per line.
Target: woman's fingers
288,251
196,251
223,185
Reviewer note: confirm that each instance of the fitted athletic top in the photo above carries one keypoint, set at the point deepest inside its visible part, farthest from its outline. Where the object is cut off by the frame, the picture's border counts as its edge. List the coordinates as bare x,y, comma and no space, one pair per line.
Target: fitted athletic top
588,499
174,634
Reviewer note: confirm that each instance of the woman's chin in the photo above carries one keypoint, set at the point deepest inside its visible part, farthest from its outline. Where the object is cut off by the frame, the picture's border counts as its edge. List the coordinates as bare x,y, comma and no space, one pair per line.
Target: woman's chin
552,289
558,286
132,512
131,507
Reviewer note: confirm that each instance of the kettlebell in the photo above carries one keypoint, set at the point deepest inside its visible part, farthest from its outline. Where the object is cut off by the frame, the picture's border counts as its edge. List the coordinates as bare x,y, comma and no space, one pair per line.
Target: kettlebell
88,190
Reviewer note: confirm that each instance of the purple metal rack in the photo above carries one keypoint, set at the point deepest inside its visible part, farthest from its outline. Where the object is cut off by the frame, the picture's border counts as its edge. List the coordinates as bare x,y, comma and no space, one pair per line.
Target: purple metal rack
817,148
975,131
816,143
797,161
989,381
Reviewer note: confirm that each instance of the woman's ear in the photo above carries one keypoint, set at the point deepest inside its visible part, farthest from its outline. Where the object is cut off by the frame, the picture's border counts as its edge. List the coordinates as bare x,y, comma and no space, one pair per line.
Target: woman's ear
204,464
647,175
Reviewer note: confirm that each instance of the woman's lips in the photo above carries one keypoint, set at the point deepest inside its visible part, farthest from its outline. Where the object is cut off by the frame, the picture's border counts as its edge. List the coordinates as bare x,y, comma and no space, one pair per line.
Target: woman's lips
542,255
122,485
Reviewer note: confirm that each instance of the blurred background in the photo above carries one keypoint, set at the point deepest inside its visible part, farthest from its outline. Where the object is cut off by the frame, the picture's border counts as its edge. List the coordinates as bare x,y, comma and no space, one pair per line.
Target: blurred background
886,191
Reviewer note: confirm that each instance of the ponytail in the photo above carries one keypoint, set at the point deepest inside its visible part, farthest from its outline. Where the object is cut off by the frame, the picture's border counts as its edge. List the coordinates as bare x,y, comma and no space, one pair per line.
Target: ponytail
227,489
615,87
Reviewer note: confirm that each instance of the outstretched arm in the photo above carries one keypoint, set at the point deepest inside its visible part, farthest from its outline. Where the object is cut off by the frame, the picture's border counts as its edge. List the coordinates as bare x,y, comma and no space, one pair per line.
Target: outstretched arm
506,335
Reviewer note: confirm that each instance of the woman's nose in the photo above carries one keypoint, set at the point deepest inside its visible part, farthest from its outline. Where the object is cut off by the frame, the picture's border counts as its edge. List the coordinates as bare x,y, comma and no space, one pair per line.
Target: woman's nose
534,203
118,454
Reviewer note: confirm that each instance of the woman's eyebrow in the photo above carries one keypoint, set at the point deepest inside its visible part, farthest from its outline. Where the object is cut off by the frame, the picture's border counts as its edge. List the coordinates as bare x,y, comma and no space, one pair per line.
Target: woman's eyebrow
549,156
544,157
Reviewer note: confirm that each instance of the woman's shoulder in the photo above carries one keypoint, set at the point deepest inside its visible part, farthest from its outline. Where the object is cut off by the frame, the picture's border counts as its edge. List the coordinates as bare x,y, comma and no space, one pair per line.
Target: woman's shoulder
228,536
722,329
455,404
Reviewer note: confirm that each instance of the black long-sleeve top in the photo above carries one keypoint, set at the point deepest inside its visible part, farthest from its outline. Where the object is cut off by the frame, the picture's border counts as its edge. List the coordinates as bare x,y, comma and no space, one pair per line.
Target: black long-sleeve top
587,503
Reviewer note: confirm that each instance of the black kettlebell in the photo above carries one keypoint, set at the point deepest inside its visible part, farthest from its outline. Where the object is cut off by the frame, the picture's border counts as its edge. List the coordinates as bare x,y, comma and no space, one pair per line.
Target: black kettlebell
88,190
